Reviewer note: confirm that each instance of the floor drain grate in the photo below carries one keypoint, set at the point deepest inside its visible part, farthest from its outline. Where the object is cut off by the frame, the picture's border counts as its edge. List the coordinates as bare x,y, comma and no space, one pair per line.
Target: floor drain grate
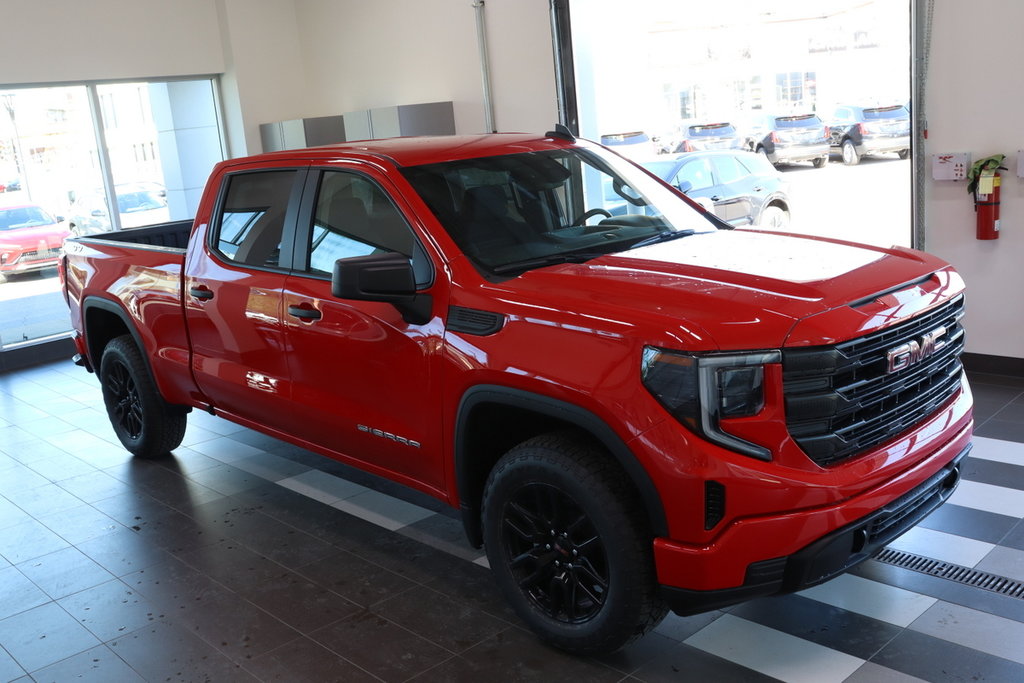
953,572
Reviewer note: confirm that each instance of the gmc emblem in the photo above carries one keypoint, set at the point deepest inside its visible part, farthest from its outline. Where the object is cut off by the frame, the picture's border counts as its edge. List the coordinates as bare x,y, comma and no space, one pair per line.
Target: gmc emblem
913,352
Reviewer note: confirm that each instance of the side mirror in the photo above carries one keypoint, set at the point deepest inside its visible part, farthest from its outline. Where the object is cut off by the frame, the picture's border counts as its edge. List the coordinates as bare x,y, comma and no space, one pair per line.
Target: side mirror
375,277
685,186
384,277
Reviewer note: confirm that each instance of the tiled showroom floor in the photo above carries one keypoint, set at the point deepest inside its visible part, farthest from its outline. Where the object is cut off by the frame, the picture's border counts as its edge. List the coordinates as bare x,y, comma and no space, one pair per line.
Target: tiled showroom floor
243,558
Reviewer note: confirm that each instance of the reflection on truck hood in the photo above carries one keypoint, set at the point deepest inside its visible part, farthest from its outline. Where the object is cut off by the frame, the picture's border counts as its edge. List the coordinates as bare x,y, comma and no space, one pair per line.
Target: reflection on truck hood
724,289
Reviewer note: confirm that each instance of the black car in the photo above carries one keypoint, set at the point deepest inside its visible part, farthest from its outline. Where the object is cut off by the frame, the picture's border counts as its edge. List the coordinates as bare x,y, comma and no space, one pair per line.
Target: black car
741,187
859,131
785,139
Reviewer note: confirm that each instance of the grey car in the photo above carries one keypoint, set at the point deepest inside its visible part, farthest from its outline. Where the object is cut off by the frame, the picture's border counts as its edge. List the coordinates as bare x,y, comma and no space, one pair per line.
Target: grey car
859,131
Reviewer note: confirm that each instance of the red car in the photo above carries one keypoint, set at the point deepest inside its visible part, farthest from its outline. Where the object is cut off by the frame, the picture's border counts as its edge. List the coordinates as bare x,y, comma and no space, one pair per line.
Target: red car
30,239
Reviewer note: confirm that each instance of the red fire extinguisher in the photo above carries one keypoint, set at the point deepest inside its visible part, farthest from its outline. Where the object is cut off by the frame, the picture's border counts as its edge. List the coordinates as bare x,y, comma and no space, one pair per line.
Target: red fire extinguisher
987,206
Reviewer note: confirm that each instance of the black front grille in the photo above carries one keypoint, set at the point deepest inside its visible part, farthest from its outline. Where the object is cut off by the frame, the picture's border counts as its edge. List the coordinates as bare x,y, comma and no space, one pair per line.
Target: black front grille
842,400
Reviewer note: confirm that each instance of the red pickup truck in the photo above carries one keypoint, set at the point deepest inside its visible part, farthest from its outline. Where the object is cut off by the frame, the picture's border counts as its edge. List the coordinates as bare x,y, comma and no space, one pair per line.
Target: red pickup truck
633,412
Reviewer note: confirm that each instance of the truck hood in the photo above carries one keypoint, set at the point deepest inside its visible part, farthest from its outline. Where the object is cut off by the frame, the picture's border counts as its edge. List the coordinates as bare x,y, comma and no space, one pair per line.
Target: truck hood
743,289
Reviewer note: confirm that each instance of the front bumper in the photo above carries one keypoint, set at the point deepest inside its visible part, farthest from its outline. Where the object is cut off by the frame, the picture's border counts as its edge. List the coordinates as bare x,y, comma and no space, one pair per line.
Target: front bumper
829,555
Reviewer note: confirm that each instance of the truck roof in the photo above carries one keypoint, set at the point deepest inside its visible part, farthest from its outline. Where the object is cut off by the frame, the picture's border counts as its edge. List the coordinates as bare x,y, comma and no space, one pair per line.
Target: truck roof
416,151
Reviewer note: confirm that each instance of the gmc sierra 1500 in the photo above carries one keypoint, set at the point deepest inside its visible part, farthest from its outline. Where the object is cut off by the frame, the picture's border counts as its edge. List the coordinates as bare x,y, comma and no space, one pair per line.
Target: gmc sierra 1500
633,413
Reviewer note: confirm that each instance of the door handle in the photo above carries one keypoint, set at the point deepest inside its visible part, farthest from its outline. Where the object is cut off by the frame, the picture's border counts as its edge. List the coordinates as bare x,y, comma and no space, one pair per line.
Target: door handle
202,293
304,312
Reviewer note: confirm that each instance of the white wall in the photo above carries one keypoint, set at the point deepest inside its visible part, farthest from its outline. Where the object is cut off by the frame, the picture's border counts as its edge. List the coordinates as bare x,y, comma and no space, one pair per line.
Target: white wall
975,103
361,55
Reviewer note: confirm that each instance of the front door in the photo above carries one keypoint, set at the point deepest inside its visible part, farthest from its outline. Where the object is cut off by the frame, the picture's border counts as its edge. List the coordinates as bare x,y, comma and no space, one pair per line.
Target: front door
364,380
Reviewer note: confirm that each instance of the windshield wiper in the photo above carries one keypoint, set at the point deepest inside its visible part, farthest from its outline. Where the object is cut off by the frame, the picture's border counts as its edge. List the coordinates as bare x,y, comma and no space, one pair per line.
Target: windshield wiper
663,236
549,260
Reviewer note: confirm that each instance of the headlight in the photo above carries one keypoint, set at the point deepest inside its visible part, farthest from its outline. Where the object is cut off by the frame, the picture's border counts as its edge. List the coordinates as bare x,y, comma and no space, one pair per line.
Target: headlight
699,391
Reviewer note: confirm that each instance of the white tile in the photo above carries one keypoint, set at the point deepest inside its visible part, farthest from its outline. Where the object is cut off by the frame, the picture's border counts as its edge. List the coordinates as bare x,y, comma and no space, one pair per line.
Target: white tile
382,510
1004,561
482,561
321,486
873,673
872,599
772,652
974,629
1009,452
939,545
990,498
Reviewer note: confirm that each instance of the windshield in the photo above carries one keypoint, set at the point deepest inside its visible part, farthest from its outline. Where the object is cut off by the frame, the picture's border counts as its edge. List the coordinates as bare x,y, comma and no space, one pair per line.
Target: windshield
535,208
23,217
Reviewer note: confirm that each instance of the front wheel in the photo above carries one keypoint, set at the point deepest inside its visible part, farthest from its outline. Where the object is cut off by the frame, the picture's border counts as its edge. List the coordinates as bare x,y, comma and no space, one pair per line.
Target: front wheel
569,545
144,423
774,217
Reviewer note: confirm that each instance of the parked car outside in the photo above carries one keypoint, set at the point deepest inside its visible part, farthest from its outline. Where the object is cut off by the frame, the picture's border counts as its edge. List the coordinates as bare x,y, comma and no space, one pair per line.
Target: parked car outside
742,188
30,239
634,145
693,137
859,131
138,204
789,138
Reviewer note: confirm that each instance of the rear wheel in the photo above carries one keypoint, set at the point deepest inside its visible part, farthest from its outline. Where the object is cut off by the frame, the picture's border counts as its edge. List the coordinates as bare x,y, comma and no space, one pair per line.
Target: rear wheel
850,155
145,424
569,546
819,162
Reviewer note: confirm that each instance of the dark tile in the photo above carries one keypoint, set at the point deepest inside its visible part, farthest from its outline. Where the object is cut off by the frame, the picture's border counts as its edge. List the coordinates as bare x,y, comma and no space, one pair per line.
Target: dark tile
80,524
303,661
94,486
993,472
17,593
20,478
27,541
1013,411
132,508
42,636
982,382
164,483
687,663
111,609
173,586
380,647
352,577
175,531
452,624
324,522
444,533
1015,539
43,500
820,623
165,652
933,659
64,572
969,522
515,655
680,628
98,665
226,479
232,564
123,552
60,467
475,585
302,604
11,514
1001,429
9,669
637,654
404,556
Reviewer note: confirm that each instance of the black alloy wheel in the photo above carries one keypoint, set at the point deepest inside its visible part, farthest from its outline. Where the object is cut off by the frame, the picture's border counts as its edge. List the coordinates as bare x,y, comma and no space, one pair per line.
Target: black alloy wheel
126,412
555,554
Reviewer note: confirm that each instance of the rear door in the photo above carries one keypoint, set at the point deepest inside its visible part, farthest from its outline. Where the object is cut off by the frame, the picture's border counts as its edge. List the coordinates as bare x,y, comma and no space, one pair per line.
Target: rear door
233,283
734,190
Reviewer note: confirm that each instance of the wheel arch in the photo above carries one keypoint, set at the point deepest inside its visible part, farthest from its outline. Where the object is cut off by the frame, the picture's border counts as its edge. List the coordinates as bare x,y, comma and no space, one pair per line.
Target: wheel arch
483,435
104,320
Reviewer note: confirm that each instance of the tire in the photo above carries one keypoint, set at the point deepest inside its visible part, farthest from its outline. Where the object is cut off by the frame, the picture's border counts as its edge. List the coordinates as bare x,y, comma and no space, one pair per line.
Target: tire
903,153
774,217
819,162
145,424
569,546
850,155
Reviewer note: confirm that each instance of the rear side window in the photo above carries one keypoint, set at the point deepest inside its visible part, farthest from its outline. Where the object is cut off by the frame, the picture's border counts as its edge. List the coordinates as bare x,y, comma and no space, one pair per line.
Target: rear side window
252,218
729,170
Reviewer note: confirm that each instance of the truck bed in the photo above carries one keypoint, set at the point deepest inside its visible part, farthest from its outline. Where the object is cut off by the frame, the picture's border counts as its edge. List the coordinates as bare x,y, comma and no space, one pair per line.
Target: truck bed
173,235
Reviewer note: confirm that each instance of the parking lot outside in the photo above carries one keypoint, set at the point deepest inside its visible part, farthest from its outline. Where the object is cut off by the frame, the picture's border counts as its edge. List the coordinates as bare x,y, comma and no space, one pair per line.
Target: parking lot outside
867,203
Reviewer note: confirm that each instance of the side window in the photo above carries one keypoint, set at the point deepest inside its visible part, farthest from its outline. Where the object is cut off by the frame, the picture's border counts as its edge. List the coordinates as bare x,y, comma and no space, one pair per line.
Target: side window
728,169
354,217
252,218
697,173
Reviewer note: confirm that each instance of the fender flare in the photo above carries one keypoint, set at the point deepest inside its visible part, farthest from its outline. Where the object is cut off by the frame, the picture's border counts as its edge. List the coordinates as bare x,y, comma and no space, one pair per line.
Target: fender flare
562,411
94,302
